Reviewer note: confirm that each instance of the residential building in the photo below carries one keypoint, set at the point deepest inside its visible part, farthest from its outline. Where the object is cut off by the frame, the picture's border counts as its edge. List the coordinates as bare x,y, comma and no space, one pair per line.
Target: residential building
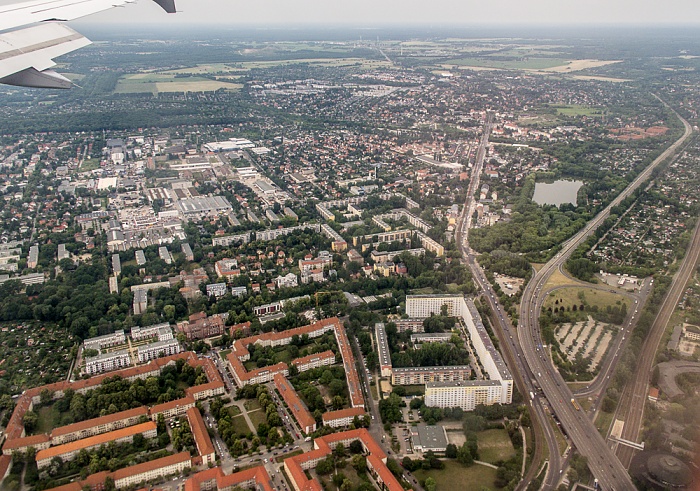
228,240
158,349
140,302
465,394
96,426
217,289
117,338
315,360
199,326
68,451
301,414
342,417
106,362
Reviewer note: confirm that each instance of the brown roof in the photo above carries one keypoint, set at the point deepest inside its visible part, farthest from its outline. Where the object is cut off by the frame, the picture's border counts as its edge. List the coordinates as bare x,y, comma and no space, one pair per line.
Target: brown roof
111,418
93,441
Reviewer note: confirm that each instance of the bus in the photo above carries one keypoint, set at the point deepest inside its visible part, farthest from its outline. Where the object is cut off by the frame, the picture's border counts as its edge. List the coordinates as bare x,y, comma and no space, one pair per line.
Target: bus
576,406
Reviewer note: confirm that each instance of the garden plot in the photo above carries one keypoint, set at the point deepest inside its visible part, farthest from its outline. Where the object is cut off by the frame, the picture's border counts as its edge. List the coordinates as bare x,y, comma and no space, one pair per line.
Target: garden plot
589,339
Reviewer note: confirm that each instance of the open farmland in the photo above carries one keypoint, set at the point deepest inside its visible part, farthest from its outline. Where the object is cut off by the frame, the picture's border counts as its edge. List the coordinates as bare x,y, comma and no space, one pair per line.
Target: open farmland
159,82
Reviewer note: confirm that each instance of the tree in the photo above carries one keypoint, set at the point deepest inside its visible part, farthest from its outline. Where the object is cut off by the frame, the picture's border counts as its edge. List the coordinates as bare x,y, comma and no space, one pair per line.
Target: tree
464,455
451,451
355,446
430,484
359,463
30,421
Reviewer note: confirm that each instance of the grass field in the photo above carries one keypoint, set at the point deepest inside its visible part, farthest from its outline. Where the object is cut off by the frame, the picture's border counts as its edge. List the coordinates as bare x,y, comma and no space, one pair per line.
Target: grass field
162,82
89,164
223,354
603,422
523,64
578,110
455,476
234,410
240,425
570,296
49,418
251,404
495,445
257,417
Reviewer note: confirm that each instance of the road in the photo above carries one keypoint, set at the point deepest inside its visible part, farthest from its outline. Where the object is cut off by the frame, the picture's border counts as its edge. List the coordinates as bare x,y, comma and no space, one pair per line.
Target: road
507,336
609,471
631,407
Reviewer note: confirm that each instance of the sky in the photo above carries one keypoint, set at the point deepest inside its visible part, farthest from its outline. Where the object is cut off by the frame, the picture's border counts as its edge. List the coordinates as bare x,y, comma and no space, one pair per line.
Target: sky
358,13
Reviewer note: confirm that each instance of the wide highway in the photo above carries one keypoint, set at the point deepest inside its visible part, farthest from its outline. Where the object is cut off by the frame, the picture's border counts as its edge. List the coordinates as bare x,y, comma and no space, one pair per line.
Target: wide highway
611,474
507,336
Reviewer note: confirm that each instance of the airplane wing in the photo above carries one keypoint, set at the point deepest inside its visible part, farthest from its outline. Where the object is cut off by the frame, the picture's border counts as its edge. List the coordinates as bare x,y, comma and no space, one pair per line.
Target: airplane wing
26,55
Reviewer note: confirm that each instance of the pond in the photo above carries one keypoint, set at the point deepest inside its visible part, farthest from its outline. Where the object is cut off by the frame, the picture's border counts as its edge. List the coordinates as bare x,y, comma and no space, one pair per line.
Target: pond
556,193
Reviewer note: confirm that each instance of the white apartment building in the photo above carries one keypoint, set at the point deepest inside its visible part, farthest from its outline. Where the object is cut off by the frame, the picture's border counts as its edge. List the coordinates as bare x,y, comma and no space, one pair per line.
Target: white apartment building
153,350
146,332
115,339
383,350
490,358
314,361
106,362
466,395
423,375
217,289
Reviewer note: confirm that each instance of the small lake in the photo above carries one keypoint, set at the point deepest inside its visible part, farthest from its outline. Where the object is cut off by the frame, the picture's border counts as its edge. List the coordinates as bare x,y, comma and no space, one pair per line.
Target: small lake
556,193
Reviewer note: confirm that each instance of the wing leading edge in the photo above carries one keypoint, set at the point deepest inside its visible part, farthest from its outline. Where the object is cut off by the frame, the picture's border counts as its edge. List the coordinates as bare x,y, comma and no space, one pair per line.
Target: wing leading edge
26,55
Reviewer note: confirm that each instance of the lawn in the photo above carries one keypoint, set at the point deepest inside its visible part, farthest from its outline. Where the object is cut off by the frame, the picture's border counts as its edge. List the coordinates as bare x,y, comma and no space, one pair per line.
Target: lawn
257,417
603,422
89,164
571,296
578,110
240,425
495,445
162,82
455,476
251,404
525,63
349,472
234,410
49,418
223,354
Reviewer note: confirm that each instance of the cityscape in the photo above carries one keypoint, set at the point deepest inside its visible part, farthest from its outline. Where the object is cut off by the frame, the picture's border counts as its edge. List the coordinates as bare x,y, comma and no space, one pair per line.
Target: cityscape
374,259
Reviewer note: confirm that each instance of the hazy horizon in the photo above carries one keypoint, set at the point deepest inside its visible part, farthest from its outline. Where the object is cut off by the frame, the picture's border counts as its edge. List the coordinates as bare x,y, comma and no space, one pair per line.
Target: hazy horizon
278,13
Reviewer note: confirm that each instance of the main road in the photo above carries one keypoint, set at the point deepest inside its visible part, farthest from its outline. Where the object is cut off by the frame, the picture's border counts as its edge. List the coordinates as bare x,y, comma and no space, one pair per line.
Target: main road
507,336
611,474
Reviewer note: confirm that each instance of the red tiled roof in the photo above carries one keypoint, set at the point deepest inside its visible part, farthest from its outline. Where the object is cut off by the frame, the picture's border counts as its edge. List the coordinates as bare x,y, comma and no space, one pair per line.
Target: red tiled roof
257,474
26,441
151,465
301,414
166,406
199,432
375,459
111,418
308,358
94,440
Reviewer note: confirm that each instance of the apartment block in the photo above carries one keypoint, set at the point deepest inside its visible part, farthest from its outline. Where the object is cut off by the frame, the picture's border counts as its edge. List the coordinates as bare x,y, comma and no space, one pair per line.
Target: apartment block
158,349
106,362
